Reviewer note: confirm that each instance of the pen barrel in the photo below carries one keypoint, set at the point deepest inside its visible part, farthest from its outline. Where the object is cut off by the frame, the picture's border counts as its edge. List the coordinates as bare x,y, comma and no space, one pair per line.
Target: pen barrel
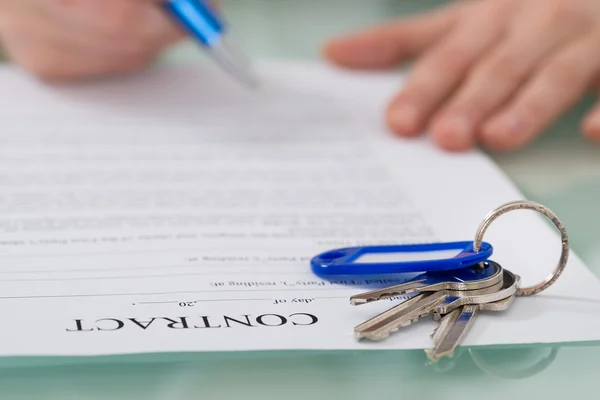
198,18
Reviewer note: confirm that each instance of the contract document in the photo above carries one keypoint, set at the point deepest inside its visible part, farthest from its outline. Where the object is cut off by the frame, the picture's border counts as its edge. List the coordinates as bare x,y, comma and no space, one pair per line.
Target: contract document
172,211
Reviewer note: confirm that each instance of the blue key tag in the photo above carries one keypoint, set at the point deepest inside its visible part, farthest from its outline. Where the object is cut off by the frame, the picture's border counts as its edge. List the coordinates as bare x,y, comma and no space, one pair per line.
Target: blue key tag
399,259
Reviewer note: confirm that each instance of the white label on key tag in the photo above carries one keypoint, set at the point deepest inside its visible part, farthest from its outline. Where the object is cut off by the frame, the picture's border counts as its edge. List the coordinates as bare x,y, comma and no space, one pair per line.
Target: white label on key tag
406,256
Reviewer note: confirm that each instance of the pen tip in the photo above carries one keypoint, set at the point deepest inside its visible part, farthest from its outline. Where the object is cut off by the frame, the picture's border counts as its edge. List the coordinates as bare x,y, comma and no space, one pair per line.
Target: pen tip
235,62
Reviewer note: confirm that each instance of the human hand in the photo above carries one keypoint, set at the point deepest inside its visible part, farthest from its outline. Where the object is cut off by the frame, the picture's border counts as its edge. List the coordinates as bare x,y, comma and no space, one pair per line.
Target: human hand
488,71
77,39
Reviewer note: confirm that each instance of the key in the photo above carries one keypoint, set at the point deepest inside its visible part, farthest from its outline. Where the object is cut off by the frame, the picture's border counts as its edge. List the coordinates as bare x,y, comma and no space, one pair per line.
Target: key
454,326
490,275
382,325
411,310
446,321
450,280
415,308
509,280
471,278
411,306
439,313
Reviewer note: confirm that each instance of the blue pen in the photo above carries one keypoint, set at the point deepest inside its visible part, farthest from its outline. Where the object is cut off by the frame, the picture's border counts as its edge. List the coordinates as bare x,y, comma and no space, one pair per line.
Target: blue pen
205,26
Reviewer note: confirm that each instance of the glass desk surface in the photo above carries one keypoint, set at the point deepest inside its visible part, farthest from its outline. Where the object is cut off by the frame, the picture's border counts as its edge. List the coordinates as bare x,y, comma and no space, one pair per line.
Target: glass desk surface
560,170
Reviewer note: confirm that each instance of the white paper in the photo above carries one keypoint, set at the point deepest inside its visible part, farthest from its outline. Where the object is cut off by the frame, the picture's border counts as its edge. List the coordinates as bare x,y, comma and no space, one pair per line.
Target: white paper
173,211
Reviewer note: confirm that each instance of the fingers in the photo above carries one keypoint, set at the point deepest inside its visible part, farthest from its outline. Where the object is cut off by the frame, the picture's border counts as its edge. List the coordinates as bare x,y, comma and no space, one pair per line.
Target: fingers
122,25
36,23
85,38
441,70
59,61
494,80
591,124
558,84
390,44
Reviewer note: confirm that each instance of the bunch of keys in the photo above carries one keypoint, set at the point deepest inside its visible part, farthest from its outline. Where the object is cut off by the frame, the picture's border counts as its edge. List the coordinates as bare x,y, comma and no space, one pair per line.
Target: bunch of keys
453,291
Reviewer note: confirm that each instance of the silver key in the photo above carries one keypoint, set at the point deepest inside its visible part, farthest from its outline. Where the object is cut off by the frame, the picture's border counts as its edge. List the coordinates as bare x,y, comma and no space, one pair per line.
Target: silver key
415,308
510,284
381,326
432,283
442,332
454,326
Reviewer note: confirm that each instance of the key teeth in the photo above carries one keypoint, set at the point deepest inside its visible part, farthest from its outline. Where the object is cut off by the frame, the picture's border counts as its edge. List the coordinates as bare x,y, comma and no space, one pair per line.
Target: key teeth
412,321
360,301
383,296
407,323
435,357
375,338
386,293
387,333
384,325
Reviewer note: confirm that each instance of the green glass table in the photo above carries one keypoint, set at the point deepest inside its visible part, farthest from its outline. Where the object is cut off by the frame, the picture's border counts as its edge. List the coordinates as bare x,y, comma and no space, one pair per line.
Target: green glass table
560,170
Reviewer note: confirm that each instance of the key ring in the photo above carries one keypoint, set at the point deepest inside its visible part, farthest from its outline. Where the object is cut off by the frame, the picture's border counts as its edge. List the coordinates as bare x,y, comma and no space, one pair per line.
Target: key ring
519,205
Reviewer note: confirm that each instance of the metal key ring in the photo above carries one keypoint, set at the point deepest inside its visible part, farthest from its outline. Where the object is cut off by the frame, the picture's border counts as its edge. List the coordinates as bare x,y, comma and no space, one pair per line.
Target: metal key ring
519,205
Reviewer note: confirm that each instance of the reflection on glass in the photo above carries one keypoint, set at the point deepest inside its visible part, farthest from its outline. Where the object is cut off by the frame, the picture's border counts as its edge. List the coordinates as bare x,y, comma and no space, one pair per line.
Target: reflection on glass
514,363
500,362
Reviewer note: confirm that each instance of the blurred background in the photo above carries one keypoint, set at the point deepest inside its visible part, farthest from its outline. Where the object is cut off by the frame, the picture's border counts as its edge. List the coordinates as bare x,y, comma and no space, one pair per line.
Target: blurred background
298,28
